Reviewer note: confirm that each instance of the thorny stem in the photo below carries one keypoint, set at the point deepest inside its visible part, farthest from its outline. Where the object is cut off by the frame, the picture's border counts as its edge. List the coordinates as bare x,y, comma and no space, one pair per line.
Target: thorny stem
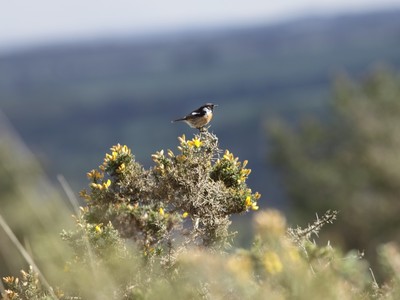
299,234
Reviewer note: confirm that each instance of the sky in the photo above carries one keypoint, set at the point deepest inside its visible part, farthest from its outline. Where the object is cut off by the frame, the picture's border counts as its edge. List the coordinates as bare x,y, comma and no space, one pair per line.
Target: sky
33,23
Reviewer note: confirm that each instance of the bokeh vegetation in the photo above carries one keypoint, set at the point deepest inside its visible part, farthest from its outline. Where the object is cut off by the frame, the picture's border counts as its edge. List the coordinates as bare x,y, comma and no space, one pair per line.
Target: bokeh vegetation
348,162
163,233
30,205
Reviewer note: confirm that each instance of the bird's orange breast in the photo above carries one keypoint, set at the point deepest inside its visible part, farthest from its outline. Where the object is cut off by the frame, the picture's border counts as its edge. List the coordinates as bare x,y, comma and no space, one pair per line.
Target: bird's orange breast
200,121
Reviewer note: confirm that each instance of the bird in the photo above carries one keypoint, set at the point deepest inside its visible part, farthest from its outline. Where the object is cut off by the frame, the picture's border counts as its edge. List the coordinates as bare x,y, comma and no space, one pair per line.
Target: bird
199,117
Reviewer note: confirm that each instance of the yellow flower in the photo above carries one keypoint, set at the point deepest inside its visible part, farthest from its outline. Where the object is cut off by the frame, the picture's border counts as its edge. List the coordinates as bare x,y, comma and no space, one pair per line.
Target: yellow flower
117,150
94,174
96,186
272,262
161,211
254,206
228,156
98,229
185,214
103,186
245,172
195,143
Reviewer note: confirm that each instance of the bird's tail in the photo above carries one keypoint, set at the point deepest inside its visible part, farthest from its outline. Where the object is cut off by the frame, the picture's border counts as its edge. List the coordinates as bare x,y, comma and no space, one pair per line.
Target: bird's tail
178,120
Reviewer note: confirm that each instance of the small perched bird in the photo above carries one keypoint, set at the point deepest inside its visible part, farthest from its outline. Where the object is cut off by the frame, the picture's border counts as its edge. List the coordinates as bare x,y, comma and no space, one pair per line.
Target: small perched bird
199,117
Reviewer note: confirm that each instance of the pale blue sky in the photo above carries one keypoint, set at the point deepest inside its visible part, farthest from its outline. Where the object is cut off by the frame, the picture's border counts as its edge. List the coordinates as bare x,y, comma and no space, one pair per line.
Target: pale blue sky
25,23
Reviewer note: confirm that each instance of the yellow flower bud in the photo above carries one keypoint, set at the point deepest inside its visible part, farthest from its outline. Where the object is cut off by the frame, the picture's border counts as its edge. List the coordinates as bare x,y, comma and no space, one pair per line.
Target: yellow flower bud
114,155
254,206
170,153
248,201
245,163
182,139
121,168
107,184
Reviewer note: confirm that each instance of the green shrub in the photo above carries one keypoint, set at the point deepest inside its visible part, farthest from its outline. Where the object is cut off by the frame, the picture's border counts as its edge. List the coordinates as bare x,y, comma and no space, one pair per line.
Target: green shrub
348,161
163,233
192,194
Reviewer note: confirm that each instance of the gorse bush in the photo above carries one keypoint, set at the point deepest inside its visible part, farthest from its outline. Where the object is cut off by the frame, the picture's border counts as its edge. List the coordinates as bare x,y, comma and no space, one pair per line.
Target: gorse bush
191,194
163,233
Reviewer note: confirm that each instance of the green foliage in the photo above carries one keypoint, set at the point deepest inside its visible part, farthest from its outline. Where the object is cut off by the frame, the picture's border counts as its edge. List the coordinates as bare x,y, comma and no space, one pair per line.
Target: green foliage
27,287
349,162
283,263
161,234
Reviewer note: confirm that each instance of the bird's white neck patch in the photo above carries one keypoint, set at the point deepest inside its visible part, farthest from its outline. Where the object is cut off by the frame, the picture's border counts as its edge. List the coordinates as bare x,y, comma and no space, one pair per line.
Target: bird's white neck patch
207,110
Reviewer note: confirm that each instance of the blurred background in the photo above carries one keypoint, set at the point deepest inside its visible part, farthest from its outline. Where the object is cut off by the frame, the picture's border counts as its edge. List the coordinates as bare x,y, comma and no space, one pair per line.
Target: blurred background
77,78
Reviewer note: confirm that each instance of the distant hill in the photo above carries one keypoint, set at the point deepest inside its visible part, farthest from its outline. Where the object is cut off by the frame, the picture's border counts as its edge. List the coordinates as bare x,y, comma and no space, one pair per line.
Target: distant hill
71,102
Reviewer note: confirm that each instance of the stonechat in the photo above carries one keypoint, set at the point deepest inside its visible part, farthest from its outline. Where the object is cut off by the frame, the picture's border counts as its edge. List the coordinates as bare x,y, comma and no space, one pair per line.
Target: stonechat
199,117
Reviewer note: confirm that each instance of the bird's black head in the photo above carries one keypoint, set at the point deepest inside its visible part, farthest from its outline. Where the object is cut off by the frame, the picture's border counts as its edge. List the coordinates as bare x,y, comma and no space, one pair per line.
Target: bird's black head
209,106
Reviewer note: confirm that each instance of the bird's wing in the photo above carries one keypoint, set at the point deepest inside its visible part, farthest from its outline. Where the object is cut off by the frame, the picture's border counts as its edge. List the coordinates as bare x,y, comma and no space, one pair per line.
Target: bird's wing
196,113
